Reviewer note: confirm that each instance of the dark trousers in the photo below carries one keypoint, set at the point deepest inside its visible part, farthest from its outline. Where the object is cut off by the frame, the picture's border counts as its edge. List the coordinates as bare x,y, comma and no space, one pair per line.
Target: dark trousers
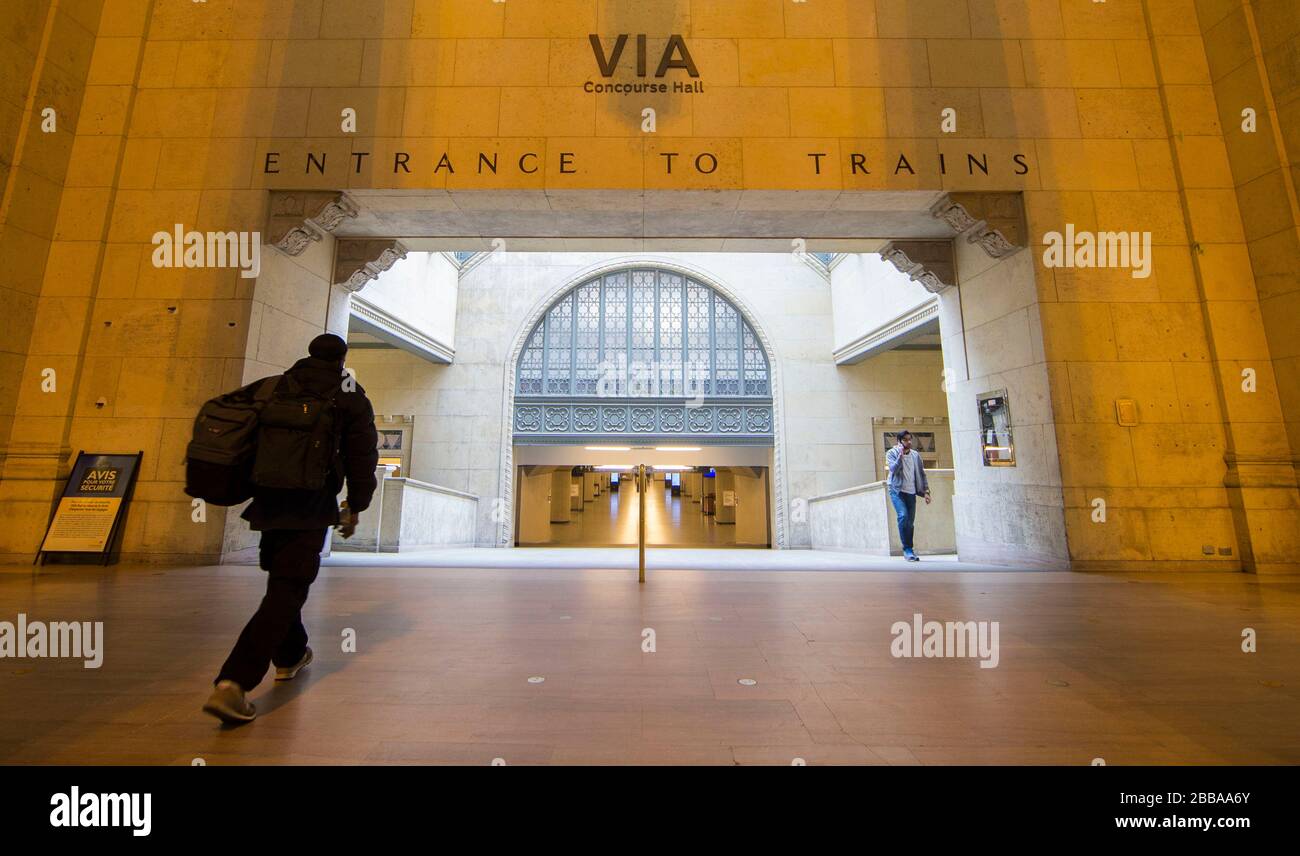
905,509
291,558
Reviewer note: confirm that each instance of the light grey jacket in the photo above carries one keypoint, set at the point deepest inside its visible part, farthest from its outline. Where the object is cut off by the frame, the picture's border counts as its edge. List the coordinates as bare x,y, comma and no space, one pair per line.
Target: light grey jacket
894,460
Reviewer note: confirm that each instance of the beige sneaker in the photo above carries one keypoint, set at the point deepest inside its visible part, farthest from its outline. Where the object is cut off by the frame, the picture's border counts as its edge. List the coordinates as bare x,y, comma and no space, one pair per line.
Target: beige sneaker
290,672
228,704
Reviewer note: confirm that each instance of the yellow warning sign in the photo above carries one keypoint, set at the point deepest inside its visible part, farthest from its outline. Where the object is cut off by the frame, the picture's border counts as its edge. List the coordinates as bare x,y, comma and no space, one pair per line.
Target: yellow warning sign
82,524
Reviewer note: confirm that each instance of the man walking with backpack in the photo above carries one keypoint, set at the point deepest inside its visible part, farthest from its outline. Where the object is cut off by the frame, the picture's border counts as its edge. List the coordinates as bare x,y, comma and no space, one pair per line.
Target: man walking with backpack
315,432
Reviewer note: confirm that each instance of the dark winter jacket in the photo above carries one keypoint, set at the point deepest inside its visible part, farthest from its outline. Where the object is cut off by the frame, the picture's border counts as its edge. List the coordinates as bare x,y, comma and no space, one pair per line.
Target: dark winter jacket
358,456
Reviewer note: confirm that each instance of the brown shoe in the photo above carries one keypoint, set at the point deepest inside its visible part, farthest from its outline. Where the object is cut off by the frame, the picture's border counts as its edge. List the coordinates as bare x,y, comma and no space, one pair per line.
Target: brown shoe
228,704
288,673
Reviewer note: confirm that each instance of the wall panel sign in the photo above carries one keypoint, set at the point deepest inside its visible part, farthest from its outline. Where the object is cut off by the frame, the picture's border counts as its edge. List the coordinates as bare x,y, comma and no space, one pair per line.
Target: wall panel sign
89,516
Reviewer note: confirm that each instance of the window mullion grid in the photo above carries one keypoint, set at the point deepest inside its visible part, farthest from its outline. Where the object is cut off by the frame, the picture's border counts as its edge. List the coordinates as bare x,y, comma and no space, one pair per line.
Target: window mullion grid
656,332
740,355
628,314
573,342
685,325
713,343
600,327
546,353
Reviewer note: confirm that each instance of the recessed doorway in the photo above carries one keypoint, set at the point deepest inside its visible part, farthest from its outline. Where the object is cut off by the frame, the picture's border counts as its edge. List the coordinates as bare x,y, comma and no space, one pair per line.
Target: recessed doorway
685,506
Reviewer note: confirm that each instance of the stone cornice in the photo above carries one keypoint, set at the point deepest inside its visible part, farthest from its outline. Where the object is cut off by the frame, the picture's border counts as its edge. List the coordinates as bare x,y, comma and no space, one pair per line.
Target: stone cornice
383,323
881,338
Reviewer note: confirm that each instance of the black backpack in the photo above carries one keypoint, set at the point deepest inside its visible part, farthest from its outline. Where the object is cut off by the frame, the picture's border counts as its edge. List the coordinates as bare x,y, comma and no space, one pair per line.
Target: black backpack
297,438
219,458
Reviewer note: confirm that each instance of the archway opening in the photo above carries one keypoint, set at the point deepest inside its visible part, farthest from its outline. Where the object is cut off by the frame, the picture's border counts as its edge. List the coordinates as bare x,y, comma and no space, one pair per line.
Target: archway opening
634,364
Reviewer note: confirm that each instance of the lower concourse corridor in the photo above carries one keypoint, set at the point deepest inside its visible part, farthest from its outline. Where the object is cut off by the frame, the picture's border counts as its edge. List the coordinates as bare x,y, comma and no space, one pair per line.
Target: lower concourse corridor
672,520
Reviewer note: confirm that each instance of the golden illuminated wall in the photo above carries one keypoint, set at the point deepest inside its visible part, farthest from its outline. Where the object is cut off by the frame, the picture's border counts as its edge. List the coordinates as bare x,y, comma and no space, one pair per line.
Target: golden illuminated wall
1110,106
46,49
1251,50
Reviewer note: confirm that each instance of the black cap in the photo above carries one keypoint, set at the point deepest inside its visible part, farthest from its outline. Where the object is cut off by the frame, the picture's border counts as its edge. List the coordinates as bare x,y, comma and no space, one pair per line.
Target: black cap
328,347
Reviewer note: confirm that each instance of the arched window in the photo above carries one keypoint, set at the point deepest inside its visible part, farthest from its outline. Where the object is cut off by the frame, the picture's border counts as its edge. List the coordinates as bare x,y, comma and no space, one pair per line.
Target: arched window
625,331
643,351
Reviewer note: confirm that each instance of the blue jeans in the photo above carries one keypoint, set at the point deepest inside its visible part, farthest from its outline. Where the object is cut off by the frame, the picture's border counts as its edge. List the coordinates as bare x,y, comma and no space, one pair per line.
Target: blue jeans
905,508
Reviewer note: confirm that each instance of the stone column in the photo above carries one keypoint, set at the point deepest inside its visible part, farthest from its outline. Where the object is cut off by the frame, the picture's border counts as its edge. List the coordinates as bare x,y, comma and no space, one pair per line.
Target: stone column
1244,48
560,499
726,485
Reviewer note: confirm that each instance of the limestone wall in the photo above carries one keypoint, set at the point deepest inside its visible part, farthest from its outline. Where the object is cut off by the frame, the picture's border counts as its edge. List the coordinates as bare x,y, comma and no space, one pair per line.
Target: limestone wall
1108,116
1250,55
48,251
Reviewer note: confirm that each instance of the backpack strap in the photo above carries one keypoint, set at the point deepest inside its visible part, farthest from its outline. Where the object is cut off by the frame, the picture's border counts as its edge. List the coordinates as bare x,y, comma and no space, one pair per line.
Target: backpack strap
266,389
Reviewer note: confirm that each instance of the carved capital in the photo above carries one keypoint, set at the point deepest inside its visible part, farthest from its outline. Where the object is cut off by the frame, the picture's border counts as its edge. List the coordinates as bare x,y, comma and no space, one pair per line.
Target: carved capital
358,261
995,221
927,262
300,217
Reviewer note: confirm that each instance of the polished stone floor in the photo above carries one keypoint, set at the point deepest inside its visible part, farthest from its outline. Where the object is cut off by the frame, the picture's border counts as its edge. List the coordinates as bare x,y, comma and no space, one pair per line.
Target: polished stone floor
657,558
1129,669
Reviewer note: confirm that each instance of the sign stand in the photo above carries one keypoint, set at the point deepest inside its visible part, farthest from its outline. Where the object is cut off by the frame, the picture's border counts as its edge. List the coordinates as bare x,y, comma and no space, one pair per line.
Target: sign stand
88,519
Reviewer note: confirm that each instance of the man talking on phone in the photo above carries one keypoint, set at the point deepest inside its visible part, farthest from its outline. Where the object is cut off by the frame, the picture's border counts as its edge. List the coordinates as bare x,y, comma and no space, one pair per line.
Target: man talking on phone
907,481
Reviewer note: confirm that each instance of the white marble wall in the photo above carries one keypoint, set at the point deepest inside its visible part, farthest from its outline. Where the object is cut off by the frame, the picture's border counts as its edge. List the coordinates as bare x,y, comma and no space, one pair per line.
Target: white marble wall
993,339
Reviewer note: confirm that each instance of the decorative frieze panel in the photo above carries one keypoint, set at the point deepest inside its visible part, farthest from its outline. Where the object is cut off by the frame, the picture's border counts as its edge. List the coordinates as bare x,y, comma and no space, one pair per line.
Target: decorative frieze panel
577,421
557,419
528,419
586,420
700,420
300,217
758,420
